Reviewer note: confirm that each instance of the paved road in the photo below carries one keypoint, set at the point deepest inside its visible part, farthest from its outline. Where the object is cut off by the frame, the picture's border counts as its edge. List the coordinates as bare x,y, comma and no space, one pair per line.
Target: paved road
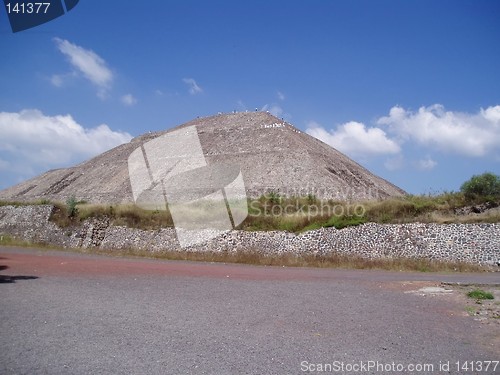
67,313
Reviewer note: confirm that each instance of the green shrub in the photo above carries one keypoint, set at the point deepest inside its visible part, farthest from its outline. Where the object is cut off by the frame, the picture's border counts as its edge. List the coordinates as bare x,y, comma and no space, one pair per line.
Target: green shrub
480,294
274,198
486,185
340,222
71,203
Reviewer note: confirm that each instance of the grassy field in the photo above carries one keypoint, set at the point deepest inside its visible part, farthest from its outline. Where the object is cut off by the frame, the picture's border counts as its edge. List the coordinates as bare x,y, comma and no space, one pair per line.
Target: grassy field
307,213
294,214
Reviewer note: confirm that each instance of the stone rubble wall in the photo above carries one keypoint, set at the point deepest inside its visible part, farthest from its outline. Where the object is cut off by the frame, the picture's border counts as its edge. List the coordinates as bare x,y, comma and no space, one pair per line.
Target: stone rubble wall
473,243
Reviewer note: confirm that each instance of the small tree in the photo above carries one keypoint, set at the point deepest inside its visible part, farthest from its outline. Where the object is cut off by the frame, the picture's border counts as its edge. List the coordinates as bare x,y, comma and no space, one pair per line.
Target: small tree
71,203
486,185
274,197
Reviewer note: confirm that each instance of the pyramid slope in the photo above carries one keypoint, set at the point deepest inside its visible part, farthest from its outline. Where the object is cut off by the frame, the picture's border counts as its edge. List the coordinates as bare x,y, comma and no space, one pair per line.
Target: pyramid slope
272,154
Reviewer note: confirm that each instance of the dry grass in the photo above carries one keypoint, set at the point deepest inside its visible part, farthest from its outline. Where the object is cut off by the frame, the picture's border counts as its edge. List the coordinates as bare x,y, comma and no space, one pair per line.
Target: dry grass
440,218
7,240
299,214
333,260
255,257
294,214
127,215
313,261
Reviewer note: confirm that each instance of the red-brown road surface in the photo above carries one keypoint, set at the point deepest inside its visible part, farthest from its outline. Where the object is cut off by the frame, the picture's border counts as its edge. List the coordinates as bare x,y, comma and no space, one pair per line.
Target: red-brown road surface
70,313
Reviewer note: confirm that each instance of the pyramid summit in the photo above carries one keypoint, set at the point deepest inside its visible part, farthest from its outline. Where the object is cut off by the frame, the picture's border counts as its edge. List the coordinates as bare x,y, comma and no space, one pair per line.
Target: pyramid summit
272,155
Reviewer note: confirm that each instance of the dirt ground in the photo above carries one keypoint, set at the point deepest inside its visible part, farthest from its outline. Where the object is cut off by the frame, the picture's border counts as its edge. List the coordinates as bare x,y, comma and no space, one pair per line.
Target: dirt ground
484,311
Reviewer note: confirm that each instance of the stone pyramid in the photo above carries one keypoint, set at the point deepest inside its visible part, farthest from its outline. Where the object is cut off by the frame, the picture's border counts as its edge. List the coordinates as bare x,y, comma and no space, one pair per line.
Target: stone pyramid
272,155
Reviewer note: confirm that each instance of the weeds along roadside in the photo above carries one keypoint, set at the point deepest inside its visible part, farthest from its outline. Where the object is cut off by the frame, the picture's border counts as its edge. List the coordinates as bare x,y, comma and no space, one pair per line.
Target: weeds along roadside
254,257
299,214
295,215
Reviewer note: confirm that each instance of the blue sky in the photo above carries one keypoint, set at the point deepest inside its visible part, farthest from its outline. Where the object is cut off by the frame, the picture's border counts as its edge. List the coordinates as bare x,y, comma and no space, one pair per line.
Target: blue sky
409,89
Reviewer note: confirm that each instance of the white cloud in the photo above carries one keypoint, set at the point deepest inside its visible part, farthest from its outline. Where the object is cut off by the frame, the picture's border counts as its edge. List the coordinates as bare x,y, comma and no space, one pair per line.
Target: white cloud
280,95
355,139
429,129
492,114
32,141
129,100
425,164
193,86
91,65
460,133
